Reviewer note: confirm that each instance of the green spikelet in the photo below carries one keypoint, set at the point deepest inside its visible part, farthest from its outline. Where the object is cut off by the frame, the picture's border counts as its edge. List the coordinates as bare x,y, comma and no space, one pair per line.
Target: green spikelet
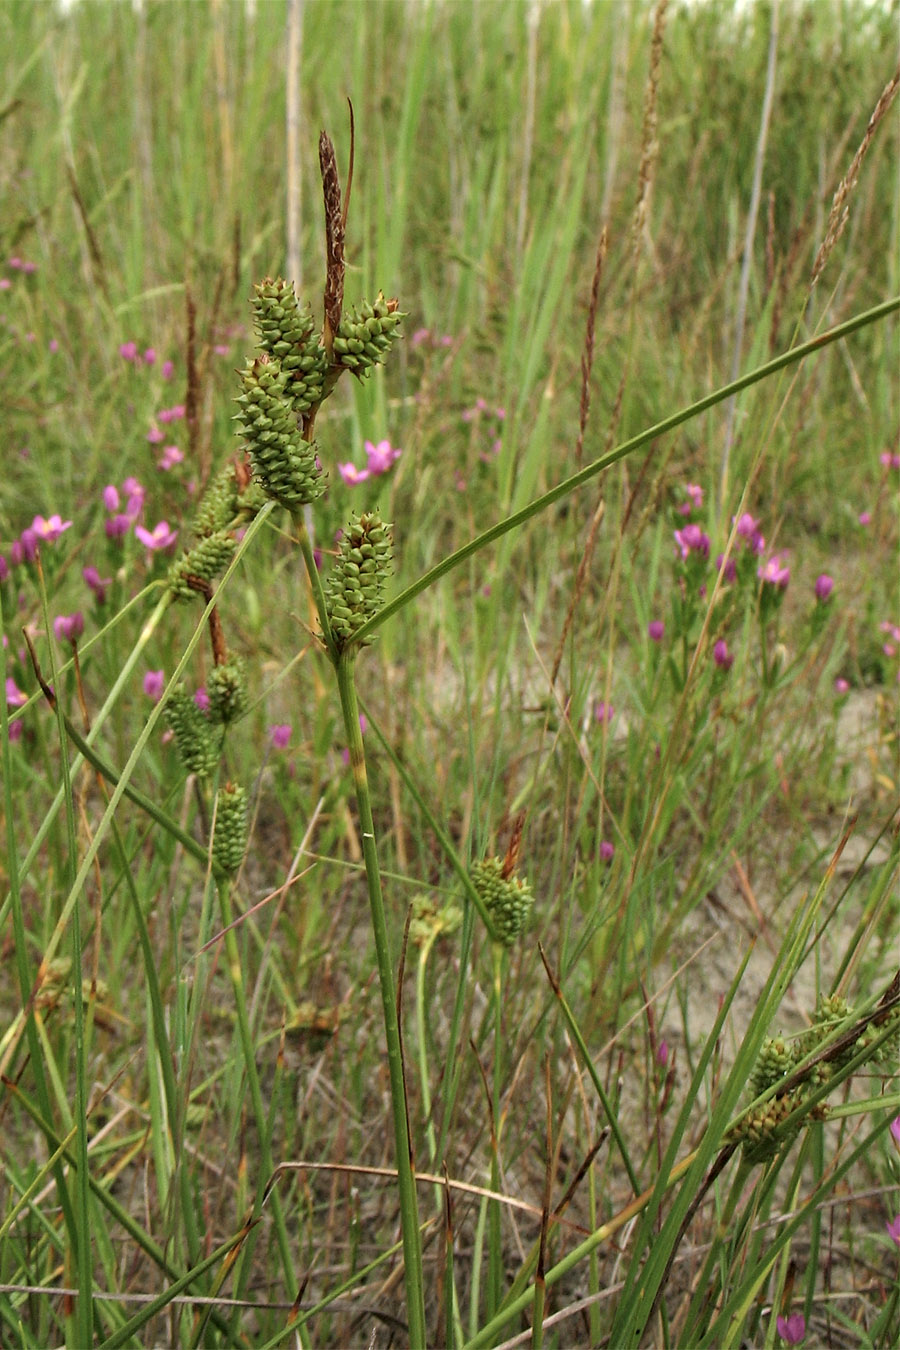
285,462
225,505
193,735
355,590
761,1131
227,691
287,333
201,563
365,335
776,1060
508,900
230,837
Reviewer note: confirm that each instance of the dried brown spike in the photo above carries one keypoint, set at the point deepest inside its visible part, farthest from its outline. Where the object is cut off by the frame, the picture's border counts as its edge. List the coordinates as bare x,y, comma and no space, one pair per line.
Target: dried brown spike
334,241
512,849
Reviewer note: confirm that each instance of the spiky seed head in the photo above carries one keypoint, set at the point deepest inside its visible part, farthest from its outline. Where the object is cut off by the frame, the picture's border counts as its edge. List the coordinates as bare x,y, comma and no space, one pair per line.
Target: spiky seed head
193,734
355,589
226,687
284,462
230,836
508,899
199,566
365,335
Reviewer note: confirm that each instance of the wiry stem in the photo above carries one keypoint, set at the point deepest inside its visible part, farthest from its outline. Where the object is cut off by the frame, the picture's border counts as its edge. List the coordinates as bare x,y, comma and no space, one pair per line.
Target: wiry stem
409,1216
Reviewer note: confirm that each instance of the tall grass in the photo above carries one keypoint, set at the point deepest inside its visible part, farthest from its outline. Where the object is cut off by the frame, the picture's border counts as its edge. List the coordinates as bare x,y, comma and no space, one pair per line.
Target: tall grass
205,1099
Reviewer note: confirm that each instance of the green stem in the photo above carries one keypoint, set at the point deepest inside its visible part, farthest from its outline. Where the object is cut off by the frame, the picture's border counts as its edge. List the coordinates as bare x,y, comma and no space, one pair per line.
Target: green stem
315,582
409,1217
495,1254
248,1048
577,480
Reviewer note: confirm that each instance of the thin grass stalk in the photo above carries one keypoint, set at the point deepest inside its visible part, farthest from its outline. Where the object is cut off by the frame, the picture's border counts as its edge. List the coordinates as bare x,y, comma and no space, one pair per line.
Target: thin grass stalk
577,480
409,1217
123,675
293,179
21,947
117,1211
83,1319
495,1240
162,1049
608,1108
747,262
693,1166
248,1049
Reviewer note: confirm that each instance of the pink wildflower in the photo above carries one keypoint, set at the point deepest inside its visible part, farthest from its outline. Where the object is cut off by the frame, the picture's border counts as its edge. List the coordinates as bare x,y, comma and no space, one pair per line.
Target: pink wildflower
824,586
607,850
894,1230
171,456
692,540
50,530
160,537
118,525
68,627
774,572
841,686
111,497
149,357
128,351
748,530
168,369
351,475
723,658
381,456
201,698
154,683
791,1329
97,583
280,735
655,630
14,696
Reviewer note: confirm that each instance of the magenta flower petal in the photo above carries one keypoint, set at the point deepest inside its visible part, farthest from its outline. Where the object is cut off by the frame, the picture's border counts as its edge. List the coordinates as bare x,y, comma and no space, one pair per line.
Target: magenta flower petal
351,475
14,696
655,630
894,1229
50,530
280,735
607,850
160,537
723,658
791,1329
154,683
68,627
824,586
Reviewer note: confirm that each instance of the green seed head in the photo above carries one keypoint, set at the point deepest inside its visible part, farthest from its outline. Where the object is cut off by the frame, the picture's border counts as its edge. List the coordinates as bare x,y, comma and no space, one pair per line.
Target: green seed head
508,900
284,462
227,691
355,589
287,334
201,564
193,735
230,837
365,335
776,1060
231,499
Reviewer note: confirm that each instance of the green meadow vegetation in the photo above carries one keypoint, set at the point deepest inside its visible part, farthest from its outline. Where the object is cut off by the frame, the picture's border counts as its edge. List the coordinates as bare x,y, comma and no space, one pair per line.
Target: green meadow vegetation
451,634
